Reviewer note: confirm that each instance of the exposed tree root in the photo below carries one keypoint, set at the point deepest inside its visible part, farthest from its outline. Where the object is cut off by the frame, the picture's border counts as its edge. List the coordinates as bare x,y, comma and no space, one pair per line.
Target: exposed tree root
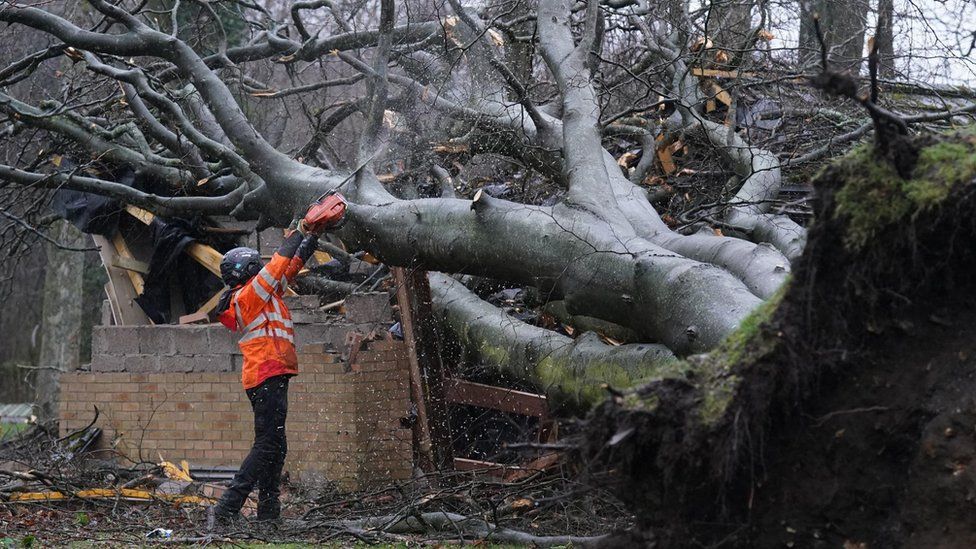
683,442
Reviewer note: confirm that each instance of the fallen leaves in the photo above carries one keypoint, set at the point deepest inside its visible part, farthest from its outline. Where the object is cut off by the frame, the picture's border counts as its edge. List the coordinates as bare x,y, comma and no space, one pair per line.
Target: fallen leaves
627,160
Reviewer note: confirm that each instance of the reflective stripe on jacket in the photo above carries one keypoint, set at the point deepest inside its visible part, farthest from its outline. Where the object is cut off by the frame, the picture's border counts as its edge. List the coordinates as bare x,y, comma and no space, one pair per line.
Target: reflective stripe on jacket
258,311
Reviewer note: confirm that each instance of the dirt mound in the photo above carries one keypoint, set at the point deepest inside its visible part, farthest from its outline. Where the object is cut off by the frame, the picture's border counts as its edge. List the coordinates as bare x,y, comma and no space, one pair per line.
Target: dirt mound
823,418
885,456
879,449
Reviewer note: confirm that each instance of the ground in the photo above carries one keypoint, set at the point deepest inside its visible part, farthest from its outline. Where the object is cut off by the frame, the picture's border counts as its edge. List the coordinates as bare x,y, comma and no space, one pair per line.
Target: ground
543,505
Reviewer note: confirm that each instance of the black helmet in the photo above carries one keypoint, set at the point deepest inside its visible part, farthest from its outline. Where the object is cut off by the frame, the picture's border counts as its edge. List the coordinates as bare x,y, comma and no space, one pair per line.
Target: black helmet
239,265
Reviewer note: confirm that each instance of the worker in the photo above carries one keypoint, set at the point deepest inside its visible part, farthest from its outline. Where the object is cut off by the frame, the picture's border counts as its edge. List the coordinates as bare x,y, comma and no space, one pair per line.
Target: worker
253,305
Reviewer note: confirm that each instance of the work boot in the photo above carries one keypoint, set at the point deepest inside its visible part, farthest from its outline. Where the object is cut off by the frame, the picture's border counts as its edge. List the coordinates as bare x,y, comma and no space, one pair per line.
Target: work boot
220,521
269,509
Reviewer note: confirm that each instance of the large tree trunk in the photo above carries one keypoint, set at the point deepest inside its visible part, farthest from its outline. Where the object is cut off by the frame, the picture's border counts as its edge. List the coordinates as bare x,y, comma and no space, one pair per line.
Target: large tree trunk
603,250
573,372
61,327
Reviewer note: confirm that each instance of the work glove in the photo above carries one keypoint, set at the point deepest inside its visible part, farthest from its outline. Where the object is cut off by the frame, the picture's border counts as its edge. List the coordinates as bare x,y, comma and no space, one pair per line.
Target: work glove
307,229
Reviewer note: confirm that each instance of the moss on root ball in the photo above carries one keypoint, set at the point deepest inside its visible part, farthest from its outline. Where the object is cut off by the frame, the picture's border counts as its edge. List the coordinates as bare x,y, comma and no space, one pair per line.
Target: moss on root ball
875,196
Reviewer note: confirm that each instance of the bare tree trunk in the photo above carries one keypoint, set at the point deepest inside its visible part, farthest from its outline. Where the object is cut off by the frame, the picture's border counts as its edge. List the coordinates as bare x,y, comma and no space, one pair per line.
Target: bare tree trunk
885,38
61,328
843,22
730,23
518,55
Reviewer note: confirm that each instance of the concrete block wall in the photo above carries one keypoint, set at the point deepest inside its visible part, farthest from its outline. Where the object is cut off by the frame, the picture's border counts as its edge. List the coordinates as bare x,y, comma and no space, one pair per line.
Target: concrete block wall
343,419
175,391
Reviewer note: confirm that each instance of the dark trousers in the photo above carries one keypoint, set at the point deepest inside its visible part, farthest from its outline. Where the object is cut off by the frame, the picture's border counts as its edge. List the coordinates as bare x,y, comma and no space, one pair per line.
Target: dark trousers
262,466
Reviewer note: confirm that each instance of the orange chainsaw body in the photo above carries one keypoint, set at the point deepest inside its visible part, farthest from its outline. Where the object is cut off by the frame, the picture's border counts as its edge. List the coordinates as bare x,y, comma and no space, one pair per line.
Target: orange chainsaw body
326,213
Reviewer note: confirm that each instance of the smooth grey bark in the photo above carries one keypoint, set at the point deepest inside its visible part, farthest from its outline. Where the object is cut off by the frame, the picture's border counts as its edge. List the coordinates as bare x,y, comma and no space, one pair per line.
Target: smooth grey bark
571,371
585,323
759,173
566,252
61,325
843,23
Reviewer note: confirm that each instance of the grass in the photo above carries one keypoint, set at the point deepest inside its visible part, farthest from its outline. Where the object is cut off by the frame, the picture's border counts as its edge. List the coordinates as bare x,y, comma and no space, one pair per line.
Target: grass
10,430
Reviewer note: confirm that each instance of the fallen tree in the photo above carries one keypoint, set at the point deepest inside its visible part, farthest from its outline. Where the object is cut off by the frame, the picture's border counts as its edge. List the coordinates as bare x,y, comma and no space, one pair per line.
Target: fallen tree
610,259
177,114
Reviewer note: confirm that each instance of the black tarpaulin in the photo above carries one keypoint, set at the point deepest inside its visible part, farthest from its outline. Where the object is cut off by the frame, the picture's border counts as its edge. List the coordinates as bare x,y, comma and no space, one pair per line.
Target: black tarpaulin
92,214
169,267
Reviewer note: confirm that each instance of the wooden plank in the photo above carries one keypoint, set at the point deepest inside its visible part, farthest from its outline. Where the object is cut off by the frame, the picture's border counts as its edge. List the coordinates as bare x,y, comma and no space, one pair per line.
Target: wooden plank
131,264
413,295
421,428
460,391
715,73
129,494
125,254
722,95
322,257
538,464
119,288
195,318
206,256
113,305
140,214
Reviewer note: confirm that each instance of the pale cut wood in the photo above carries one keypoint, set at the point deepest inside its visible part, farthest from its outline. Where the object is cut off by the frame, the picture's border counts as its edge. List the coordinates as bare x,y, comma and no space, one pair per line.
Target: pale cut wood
119,289
322,257
125,254
131,264
206,256
722,95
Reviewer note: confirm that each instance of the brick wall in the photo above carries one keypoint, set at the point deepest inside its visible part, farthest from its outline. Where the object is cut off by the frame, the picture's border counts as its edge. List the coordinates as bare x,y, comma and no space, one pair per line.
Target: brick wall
175,391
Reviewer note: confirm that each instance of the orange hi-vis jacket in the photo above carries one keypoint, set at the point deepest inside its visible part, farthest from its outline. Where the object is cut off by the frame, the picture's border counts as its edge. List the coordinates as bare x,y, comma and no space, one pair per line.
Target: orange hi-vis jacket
257,310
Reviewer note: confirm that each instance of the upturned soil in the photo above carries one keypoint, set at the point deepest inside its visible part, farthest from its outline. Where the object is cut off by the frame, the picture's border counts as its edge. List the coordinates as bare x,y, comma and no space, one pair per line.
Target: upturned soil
885,455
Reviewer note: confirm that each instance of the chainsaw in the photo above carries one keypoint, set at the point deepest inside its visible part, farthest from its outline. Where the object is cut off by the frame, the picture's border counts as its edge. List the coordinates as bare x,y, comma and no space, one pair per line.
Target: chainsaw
328,213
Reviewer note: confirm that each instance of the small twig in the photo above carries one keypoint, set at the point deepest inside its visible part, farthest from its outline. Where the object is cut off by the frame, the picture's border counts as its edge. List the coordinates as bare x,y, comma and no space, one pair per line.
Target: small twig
27,226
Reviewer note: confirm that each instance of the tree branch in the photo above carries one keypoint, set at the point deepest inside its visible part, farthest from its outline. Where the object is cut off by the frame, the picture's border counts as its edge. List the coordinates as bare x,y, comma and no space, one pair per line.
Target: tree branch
163,204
